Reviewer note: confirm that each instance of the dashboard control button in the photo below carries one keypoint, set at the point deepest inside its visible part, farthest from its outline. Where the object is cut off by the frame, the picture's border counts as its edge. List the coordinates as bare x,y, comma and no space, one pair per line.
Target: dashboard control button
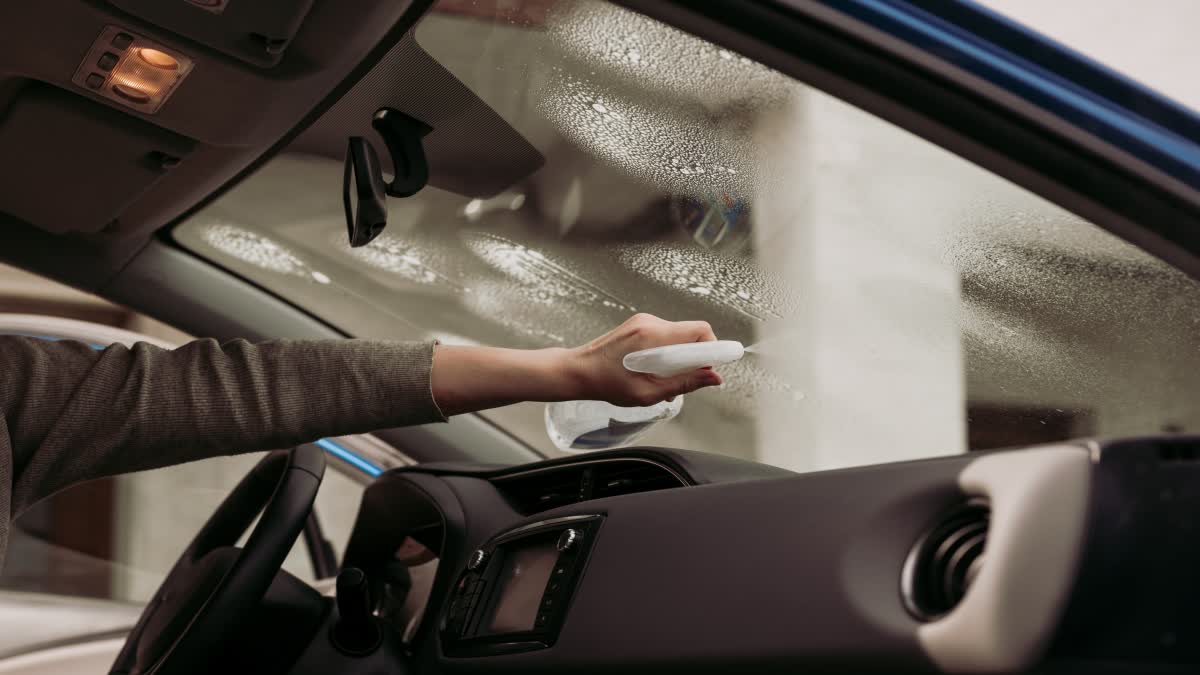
569,539
560,571
477,559
542,619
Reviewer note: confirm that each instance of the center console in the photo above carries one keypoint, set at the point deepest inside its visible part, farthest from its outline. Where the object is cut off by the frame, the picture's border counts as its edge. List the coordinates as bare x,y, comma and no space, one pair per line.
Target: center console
515,591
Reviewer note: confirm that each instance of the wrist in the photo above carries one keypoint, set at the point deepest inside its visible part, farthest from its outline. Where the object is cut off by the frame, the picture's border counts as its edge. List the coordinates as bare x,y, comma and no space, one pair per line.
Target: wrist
561,372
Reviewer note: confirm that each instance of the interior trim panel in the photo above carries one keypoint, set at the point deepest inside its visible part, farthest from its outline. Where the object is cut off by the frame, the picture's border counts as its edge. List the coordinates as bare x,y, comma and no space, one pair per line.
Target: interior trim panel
1038,501
787,572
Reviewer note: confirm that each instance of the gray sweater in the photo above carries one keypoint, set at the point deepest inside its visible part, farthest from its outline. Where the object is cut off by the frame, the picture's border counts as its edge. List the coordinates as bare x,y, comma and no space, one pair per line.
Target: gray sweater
72,413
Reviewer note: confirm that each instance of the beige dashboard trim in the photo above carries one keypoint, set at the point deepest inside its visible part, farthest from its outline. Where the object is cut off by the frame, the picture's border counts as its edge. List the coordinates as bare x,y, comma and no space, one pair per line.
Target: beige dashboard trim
1039,500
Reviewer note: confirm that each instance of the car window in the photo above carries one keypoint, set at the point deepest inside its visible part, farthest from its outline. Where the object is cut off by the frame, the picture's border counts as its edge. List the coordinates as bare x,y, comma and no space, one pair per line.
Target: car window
116,538
1153,43
905,302
86,559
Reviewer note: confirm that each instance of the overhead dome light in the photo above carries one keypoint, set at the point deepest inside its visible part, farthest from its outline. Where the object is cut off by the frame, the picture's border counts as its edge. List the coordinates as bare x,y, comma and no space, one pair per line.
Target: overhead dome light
158,59
131,92
131,70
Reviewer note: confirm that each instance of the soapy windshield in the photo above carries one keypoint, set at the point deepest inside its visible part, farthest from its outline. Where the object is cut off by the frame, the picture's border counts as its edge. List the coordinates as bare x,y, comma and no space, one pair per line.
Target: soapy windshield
905,303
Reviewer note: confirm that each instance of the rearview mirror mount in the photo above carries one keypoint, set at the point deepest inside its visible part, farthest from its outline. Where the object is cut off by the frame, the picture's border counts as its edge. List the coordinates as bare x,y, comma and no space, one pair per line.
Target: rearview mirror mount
364,192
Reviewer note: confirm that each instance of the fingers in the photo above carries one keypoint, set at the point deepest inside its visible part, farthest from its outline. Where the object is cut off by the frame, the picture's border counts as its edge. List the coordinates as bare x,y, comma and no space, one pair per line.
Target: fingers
662,332
667,388
643,331
696,331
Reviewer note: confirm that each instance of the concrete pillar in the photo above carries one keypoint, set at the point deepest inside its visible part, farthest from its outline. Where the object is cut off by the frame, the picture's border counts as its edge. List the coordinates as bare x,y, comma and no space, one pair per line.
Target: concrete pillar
853,213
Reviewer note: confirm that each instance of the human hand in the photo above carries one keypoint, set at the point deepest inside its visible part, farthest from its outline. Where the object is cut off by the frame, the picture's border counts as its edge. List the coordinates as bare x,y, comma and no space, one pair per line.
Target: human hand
598,367
467,379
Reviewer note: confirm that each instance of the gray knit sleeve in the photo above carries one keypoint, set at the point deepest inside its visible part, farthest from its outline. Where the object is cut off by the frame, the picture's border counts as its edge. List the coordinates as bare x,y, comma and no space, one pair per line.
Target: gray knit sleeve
74,413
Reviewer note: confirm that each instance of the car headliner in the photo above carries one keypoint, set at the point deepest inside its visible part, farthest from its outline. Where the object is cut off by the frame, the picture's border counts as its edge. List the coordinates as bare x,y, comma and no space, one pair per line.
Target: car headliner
995,93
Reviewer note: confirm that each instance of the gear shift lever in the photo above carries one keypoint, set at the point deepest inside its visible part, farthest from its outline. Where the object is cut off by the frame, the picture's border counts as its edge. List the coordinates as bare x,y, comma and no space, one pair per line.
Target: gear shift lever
357,630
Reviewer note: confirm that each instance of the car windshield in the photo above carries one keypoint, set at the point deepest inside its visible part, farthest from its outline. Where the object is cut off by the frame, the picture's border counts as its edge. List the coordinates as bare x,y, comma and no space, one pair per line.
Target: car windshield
588,162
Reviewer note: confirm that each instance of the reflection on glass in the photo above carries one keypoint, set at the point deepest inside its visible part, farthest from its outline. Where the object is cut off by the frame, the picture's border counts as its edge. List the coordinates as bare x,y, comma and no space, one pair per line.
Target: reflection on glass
260,251
906,303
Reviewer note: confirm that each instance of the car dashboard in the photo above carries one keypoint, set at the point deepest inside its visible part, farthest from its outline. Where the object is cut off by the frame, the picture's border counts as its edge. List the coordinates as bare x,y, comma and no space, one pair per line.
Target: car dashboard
1063,558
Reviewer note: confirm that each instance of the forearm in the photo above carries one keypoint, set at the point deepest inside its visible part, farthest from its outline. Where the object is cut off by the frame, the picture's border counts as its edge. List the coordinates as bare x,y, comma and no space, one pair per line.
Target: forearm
467,379
74,413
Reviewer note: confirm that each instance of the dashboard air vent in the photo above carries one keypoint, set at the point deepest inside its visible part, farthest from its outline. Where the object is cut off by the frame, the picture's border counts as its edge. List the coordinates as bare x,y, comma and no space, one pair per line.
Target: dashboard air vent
944,562
544,489
540,492
623,478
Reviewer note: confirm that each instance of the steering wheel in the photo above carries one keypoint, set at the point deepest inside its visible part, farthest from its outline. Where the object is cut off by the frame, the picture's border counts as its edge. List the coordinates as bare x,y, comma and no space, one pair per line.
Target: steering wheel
211,592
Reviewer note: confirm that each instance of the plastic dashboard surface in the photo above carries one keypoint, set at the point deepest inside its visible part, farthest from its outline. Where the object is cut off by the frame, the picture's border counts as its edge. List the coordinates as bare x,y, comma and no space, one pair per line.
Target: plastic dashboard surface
773,571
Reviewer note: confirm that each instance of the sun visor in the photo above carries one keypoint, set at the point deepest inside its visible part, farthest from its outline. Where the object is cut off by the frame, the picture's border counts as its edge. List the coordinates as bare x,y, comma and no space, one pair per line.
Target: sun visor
74,165
472,150
254,31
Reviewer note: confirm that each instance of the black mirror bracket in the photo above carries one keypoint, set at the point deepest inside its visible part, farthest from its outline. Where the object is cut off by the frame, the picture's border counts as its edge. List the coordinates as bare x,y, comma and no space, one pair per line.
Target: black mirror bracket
403,136
364,193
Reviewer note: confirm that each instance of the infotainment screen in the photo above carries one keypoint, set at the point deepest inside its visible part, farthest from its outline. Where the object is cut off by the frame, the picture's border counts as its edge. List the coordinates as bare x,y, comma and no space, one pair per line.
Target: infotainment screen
521,583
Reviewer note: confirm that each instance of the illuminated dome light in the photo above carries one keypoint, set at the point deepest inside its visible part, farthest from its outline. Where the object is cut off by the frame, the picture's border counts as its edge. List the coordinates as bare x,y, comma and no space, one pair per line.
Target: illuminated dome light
157,59
132,92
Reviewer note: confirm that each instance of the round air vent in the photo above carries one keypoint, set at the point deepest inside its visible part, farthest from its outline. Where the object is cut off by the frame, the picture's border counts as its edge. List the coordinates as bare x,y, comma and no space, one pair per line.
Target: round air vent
945,560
